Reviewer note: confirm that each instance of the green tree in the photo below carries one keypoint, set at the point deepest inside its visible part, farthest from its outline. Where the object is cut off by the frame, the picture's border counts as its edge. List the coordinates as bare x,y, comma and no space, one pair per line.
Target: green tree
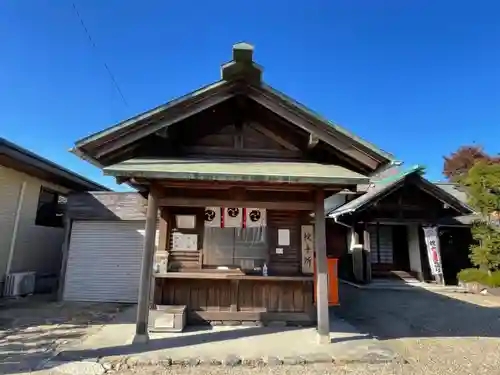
483,186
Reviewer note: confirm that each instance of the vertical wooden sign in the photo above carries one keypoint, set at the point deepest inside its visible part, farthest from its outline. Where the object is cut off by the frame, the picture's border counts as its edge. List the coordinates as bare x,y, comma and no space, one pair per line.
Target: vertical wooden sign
307,238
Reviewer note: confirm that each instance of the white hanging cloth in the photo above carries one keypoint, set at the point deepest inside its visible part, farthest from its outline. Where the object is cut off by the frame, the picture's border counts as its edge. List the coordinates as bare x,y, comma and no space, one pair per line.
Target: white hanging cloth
255,217
213,217
233,217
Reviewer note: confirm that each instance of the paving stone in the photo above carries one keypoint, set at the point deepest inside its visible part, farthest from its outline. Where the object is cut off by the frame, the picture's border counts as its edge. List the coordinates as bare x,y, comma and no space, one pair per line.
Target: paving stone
121,366
107,366
112,359
295,360
231,360
181,361
165,362
143,360
194,361
272,361
132,361
374,358
251,362
319,358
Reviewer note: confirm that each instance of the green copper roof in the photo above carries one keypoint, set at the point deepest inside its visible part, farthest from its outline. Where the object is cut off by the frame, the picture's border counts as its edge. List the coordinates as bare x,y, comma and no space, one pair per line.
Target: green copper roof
216,170
381,187
242,69
145,115
333,125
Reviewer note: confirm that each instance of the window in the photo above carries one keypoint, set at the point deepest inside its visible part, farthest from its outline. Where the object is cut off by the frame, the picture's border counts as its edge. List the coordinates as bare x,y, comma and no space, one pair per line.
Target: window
51,207
246,248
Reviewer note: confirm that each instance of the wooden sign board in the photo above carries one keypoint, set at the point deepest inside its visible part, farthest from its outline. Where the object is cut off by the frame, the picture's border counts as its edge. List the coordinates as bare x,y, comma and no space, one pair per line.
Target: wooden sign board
307,245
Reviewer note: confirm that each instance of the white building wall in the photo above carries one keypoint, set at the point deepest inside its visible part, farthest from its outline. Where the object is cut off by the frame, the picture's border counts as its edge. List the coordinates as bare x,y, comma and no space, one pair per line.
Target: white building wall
37,248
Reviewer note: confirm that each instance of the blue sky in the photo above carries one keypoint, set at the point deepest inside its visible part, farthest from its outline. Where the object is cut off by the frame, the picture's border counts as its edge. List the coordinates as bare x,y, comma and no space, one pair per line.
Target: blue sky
418,78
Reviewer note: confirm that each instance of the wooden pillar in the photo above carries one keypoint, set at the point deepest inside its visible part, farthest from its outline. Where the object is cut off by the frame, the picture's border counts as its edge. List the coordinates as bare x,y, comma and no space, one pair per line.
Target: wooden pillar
164,230
367,256
321,269
141,327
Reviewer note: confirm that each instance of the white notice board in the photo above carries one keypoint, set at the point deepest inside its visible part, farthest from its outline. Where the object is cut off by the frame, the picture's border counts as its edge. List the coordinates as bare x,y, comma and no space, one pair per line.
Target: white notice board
184,241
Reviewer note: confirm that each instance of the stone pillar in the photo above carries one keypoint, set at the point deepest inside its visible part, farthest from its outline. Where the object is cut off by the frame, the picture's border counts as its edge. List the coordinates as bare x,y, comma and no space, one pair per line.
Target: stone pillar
141,327
321,269
414,251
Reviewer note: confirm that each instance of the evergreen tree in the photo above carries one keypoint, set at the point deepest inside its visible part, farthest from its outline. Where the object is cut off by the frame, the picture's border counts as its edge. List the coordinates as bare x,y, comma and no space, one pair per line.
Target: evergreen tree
483,186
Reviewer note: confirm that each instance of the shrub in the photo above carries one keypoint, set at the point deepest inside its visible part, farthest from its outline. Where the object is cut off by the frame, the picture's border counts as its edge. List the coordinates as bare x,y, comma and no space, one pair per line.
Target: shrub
470,275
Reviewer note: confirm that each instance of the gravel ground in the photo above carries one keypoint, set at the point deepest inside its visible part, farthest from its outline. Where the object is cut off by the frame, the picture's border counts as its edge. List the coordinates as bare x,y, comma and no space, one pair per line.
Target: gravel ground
33,328
436,333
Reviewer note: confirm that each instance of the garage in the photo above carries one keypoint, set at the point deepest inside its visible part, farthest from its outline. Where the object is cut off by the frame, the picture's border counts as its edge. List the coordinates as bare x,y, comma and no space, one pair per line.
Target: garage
104,261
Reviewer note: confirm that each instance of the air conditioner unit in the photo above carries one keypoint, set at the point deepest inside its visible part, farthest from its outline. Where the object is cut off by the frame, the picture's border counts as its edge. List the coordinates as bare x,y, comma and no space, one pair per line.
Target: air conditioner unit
19,284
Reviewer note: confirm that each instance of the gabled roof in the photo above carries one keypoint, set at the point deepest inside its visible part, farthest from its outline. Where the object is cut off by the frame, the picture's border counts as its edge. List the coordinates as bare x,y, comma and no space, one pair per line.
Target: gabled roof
379,189
454,189
241,76
33,164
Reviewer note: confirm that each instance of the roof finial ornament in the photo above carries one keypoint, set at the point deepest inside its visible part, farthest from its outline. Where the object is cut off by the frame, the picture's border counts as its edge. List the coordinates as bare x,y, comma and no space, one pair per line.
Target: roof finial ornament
242,52
242,66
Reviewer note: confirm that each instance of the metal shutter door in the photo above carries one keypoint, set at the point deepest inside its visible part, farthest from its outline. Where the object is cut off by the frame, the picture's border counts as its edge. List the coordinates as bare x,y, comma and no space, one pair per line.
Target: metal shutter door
104,261
384,253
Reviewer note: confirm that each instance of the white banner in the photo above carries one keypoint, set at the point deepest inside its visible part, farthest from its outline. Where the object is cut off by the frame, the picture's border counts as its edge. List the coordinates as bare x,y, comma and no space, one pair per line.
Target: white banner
255,217
433,251
233,217
213,217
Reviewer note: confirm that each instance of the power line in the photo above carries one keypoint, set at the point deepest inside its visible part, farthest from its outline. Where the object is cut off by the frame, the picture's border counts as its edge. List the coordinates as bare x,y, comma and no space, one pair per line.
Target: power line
92,43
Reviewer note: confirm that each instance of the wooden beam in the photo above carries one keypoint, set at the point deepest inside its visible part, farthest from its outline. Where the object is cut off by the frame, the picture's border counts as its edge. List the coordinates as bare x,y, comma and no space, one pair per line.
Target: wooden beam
270,134
141,326
321,268
310,127
162,133
203,151
221,185
198,202
235,284
121,180
163,230
313,141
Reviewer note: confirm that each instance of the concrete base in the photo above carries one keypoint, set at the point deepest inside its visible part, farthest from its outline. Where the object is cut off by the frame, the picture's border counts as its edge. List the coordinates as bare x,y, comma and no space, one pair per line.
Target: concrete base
116,342
140,339
324,340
